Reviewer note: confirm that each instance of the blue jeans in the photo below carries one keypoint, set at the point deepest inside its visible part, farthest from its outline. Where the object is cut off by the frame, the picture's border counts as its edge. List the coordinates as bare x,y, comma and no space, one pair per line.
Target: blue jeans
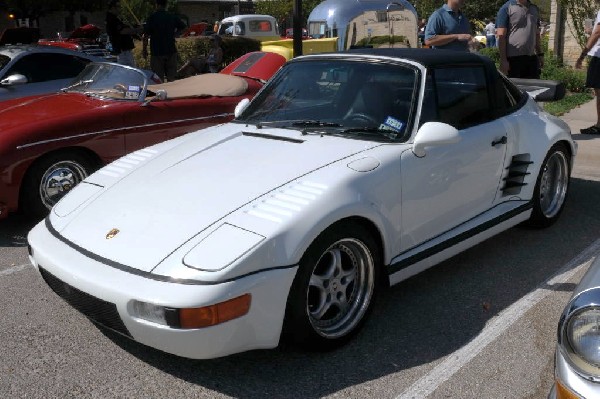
490,40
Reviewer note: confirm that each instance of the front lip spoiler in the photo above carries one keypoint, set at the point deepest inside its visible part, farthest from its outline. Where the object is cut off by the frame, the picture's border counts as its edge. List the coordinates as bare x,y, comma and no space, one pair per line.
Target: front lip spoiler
149,275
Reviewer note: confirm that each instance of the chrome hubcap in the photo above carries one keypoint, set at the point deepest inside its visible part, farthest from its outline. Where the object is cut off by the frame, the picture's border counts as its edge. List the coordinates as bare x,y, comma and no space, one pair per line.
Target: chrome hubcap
340,288
59,179
553,185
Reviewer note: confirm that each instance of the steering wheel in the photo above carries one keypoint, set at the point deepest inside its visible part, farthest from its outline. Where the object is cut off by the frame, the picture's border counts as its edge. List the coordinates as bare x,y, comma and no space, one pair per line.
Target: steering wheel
360,117
120,87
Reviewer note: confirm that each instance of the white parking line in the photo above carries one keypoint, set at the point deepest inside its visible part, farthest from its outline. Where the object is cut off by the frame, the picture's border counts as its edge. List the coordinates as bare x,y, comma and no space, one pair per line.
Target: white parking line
495,327
15,269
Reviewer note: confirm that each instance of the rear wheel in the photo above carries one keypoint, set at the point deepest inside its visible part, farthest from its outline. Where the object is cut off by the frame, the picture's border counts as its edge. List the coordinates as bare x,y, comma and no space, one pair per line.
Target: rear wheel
50,178
551,187
334,288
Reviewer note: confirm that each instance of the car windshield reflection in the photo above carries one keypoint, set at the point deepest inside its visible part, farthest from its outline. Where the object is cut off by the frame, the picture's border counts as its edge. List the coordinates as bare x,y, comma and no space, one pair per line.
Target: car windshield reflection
350,98
110,81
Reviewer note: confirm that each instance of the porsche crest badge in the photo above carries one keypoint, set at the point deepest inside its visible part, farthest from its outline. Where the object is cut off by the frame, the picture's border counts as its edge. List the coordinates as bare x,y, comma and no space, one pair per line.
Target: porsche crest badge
112,233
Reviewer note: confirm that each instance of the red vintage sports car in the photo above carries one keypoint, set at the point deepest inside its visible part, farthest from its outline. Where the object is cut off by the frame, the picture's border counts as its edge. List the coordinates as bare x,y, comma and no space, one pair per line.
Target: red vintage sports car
50,143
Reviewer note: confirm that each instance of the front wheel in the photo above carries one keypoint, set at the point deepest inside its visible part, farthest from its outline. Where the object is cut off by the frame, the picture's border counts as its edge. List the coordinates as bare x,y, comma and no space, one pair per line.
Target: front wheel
551,187
49,179
333,289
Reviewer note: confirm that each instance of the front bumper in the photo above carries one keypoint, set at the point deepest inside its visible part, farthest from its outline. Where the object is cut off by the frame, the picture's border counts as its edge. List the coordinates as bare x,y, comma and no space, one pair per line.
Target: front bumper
105,294
569,384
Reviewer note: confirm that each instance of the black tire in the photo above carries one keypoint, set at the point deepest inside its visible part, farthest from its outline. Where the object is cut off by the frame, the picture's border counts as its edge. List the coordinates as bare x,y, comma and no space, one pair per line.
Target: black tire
49,179
551,187
334,288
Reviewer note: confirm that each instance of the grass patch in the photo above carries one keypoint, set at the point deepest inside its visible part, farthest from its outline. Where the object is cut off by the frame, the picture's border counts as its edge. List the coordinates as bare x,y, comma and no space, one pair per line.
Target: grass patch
570,101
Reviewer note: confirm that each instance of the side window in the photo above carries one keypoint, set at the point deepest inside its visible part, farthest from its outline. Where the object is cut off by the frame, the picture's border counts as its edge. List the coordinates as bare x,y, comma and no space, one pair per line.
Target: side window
512,95
260,26
56,66
462,96
240,28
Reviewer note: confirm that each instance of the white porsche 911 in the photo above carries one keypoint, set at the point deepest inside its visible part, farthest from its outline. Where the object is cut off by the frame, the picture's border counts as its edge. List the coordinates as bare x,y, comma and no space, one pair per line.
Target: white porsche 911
346,173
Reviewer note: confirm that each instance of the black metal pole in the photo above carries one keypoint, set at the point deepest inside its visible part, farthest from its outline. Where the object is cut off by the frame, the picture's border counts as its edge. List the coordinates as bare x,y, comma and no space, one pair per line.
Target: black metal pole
297,25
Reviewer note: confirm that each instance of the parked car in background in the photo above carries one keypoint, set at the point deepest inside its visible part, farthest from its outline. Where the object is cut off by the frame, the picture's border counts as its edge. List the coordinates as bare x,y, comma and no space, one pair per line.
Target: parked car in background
289,33
86,38
346,173
253,26
27,70
577,363
49,143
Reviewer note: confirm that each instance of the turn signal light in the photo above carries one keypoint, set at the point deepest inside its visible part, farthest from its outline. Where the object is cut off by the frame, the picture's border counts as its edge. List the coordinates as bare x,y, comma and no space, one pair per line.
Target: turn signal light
215,314
563,392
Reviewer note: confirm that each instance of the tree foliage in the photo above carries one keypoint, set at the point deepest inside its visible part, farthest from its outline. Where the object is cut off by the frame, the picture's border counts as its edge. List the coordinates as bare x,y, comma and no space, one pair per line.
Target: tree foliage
479,10
283,10
34,9
580,10
131,10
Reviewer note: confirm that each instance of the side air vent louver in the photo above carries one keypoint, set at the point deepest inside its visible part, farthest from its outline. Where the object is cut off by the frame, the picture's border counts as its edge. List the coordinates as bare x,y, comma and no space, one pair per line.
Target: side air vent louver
515,178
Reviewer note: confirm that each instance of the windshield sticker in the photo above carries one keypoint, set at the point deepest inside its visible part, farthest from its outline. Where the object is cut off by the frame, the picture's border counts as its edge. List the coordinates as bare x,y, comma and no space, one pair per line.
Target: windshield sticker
392,124
132,93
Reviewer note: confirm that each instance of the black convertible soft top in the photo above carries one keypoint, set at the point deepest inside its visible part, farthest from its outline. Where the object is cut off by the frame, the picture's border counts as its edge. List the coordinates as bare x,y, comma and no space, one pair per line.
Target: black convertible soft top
427,57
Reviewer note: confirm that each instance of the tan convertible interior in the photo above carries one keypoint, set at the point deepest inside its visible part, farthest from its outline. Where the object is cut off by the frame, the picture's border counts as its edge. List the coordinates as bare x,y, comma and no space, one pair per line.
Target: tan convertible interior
208,84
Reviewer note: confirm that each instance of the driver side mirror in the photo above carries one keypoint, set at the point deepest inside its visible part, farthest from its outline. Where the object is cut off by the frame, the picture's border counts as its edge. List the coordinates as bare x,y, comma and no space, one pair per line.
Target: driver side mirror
242,105
434,134
12,80
159,95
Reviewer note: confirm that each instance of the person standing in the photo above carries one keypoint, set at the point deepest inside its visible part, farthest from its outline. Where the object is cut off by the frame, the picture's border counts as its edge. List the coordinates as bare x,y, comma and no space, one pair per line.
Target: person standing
210,63
592,48
120,35
490,34
160,29
448,28
519,41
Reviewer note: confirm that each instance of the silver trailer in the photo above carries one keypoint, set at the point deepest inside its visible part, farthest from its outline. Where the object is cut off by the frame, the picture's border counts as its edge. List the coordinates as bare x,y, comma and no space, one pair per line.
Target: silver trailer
373,23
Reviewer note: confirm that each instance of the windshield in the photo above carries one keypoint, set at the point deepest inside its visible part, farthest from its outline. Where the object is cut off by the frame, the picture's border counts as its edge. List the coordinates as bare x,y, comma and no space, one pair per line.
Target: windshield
338,97
4,60
110,81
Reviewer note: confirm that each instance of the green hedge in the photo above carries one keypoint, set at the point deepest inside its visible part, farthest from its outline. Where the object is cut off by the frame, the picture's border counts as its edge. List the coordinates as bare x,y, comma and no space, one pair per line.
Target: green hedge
190,47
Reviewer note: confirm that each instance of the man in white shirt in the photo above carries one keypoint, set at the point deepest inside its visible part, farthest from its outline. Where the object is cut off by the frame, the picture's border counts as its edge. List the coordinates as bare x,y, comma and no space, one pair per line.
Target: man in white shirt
592,48
490,34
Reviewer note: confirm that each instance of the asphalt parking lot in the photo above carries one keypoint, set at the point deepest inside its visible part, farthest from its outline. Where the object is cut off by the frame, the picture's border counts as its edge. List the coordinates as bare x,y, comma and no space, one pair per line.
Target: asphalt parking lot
480,325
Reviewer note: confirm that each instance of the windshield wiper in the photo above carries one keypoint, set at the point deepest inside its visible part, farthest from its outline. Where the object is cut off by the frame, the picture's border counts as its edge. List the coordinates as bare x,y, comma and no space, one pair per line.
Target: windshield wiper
315,123
79,83
373,131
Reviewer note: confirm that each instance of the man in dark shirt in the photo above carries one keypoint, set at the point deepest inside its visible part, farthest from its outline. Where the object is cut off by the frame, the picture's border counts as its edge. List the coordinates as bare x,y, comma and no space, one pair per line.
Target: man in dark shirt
519,40
160,29
120,35
448,28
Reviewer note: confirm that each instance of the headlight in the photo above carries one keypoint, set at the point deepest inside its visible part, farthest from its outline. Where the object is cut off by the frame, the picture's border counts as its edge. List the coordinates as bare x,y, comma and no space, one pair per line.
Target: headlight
221,248
582,333
191,318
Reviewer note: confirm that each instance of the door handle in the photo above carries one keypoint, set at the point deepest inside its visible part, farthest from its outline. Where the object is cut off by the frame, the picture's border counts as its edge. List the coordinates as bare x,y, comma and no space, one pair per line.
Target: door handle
502,140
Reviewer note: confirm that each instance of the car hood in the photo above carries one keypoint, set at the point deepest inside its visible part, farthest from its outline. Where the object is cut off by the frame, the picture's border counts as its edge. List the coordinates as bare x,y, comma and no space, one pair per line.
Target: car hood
41,109
181,192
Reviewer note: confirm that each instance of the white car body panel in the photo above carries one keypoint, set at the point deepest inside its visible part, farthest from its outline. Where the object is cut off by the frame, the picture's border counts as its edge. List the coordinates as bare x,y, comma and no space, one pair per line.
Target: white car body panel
231,210
260,328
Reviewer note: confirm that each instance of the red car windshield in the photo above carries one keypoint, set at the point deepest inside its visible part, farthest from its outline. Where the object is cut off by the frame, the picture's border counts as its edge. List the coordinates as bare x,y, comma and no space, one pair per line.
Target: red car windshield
110,81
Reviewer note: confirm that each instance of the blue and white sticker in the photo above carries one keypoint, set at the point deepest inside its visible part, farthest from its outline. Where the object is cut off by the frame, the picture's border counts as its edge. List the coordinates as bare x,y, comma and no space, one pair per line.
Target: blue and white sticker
133,92
392,124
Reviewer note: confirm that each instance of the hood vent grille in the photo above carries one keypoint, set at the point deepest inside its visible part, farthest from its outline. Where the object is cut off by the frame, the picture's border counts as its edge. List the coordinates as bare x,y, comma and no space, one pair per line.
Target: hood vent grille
517,170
